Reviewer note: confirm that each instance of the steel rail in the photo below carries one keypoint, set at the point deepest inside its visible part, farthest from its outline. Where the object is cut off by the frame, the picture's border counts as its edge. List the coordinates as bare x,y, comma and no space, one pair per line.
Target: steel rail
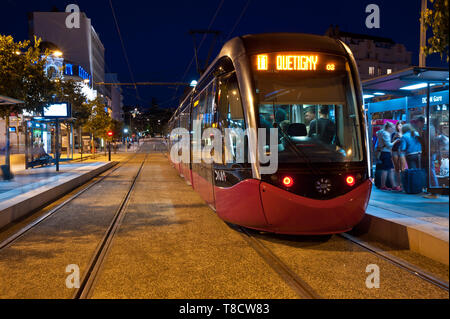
96,262
398,262
290,277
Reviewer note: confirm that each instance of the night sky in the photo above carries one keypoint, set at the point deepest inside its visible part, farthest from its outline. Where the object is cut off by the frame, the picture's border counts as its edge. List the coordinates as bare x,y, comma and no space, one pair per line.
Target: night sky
160,49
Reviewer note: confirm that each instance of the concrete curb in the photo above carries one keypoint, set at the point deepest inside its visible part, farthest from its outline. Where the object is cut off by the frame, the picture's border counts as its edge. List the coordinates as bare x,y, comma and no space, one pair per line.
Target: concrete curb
405,232
23,207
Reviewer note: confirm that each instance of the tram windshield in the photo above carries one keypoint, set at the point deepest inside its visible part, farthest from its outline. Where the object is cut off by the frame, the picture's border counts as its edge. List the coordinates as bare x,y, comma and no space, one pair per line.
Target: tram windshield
315,113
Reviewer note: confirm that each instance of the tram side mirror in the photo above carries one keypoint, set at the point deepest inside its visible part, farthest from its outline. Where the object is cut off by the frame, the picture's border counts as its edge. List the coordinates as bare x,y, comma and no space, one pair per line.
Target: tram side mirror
297,129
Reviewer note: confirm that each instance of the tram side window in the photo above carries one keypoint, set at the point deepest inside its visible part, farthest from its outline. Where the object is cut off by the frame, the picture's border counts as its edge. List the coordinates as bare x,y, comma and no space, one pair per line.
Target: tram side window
230,113
208,111
196,116
184,118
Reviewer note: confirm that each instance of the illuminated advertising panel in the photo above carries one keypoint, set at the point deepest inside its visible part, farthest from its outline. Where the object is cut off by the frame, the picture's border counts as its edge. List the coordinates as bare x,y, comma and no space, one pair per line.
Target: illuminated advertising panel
57,110
298,62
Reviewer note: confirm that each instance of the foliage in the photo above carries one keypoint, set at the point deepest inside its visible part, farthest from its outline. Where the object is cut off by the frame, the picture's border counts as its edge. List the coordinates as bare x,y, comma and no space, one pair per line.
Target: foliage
70,91
22,76
437,20
99,121
117,128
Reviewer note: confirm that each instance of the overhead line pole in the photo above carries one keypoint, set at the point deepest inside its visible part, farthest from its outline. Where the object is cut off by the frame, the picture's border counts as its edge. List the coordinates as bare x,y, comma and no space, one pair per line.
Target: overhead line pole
199,46
423,35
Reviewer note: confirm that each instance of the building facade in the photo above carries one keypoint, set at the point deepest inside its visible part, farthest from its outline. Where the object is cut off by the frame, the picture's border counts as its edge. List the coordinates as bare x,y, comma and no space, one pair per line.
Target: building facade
80,45
116,99
375,56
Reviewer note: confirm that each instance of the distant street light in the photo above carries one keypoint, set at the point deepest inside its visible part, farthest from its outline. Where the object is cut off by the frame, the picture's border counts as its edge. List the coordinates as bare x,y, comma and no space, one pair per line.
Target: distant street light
125,130
193,83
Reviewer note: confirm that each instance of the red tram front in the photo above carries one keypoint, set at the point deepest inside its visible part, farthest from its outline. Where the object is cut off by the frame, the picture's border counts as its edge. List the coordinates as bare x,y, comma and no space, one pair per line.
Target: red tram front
306,89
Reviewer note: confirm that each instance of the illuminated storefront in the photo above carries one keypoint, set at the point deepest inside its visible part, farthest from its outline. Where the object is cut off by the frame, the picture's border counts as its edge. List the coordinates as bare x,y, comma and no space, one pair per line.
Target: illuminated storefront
406,96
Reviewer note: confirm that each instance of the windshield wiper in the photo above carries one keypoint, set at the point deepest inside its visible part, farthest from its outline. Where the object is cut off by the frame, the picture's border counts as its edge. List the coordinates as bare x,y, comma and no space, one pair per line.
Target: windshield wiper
300,152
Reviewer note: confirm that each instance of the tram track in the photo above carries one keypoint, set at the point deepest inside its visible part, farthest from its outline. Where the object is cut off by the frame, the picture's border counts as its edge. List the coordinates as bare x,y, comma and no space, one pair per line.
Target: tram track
398,262
292,279
87,186
98,258
304,290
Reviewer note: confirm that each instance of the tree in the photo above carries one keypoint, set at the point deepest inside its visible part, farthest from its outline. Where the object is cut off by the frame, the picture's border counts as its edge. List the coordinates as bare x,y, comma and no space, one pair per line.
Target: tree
71,91
117,129
99,123
22,77
437,20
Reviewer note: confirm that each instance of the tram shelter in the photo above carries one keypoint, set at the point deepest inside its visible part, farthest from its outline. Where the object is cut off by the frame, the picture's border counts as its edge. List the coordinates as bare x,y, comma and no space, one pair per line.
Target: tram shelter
405,96
49,137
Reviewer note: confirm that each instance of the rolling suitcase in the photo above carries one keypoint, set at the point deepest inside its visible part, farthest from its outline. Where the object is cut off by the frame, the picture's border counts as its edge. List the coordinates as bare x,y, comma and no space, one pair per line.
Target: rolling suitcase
413,180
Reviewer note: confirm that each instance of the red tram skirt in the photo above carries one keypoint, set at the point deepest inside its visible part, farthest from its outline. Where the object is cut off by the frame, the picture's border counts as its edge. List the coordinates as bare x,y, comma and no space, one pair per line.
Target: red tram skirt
262,206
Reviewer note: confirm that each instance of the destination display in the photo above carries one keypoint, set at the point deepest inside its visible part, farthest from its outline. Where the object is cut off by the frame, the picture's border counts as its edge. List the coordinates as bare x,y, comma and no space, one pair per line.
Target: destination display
298,61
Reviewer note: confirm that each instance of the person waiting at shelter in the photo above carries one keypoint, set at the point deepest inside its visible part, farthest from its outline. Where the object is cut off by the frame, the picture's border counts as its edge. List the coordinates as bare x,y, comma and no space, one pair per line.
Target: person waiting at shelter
419,124
399,162
384,147
428,153
323,128
410,146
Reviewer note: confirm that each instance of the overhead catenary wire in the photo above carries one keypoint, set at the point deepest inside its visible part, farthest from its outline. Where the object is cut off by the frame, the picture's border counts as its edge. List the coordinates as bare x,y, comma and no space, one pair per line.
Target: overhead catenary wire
200,45
244,9
203,38
238,20
123,49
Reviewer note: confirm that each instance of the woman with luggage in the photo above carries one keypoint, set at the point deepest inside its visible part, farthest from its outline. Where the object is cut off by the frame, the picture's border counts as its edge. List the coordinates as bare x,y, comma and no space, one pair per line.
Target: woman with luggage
413,179
385,148
410,147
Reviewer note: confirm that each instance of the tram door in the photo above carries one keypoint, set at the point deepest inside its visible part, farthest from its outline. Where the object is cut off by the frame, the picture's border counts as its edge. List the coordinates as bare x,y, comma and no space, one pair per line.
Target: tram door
202,111
185,123
229,117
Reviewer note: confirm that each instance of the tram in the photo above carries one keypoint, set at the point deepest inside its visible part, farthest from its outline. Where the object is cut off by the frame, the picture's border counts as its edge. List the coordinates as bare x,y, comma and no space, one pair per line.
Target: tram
307,89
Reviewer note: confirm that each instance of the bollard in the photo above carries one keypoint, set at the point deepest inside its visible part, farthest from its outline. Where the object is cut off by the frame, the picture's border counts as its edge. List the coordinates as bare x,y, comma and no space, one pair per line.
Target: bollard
6,172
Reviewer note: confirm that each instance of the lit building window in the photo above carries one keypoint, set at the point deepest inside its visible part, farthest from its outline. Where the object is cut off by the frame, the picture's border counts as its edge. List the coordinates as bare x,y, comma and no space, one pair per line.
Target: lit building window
371,70
389,71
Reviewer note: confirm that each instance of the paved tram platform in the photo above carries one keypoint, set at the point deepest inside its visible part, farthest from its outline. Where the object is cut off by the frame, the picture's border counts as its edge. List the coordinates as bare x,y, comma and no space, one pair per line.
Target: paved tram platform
408,221
34,188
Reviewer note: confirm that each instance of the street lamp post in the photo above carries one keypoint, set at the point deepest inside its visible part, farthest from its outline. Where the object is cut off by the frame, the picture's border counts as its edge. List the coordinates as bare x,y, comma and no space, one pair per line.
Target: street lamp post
125,131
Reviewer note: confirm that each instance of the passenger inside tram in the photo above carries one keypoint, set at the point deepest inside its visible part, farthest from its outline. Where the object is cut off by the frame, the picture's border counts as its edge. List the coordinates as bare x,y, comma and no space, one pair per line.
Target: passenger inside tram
324,128
310,115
